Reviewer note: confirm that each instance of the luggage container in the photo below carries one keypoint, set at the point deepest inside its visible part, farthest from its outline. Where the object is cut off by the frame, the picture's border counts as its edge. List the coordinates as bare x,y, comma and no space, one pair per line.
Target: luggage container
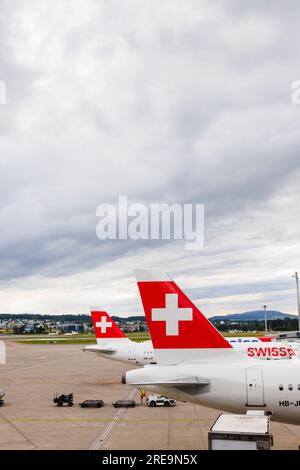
241,432
124,403
92,404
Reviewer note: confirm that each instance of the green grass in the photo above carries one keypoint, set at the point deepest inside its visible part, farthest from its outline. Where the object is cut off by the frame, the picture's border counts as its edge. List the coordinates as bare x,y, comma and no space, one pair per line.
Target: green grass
138,336
58,341
80,339
84,339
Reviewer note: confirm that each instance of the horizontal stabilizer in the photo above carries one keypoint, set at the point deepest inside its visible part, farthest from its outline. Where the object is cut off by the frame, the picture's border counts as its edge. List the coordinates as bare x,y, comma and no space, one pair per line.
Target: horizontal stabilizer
184,382
100,350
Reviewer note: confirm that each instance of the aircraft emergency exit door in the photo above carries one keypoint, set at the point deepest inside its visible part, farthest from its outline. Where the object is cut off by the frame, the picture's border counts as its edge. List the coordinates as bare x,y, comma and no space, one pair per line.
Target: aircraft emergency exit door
255,387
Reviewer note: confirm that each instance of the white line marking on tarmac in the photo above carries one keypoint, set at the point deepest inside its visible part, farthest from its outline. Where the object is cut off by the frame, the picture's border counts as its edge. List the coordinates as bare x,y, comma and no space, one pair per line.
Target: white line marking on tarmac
104,435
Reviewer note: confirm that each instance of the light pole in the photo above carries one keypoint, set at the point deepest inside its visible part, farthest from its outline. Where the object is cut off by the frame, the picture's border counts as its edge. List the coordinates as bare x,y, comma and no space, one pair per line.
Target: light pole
266,323
298,300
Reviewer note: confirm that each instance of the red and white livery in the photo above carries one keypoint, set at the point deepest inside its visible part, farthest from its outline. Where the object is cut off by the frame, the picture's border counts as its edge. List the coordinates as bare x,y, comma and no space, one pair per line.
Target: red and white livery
114,344
197,364
175,310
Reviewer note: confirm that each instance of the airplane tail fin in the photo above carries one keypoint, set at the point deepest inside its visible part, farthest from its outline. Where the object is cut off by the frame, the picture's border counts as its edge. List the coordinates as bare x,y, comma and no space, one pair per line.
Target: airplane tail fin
105,328
178,329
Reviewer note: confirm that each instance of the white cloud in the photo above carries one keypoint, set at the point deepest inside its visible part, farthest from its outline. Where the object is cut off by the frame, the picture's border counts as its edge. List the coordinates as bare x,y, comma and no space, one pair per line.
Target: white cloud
180,102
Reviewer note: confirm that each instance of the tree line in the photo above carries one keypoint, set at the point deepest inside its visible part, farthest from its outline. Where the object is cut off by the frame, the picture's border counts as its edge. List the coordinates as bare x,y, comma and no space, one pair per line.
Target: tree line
286,324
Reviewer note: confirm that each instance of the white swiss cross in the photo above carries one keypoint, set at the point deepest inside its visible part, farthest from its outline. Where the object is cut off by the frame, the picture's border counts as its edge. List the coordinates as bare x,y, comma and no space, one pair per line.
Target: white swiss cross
103,324
172,314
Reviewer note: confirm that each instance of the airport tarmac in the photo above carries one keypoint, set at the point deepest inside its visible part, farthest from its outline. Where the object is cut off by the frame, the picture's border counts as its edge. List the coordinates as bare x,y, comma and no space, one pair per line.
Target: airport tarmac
30,420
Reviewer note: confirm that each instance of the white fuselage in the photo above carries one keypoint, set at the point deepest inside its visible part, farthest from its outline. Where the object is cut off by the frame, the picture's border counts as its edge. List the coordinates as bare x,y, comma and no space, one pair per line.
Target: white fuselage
273,386
130,352
125,350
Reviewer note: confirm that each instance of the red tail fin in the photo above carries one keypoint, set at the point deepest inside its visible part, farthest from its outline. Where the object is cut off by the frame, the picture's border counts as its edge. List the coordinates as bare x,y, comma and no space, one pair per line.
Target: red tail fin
105,327
174,321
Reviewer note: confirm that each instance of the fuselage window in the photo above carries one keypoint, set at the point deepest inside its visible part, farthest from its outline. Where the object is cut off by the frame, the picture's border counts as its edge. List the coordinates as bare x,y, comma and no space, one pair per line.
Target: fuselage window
280,387
290,387
298,386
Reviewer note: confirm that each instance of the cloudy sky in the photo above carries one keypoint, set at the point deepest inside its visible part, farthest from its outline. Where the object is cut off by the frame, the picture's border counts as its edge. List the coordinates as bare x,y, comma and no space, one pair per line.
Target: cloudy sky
163,101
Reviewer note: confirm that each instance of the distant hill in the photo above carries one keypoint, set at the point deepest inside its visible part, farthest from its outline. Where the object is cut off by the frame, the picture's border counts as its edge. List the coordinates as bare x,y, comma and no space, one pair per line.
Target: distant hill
255,315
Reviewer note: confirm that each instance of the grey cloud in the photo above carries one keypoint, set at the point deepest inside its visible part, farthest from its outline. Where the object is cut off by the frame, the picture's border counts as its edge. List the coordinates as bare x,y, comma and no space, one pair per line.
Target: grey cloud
181,103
